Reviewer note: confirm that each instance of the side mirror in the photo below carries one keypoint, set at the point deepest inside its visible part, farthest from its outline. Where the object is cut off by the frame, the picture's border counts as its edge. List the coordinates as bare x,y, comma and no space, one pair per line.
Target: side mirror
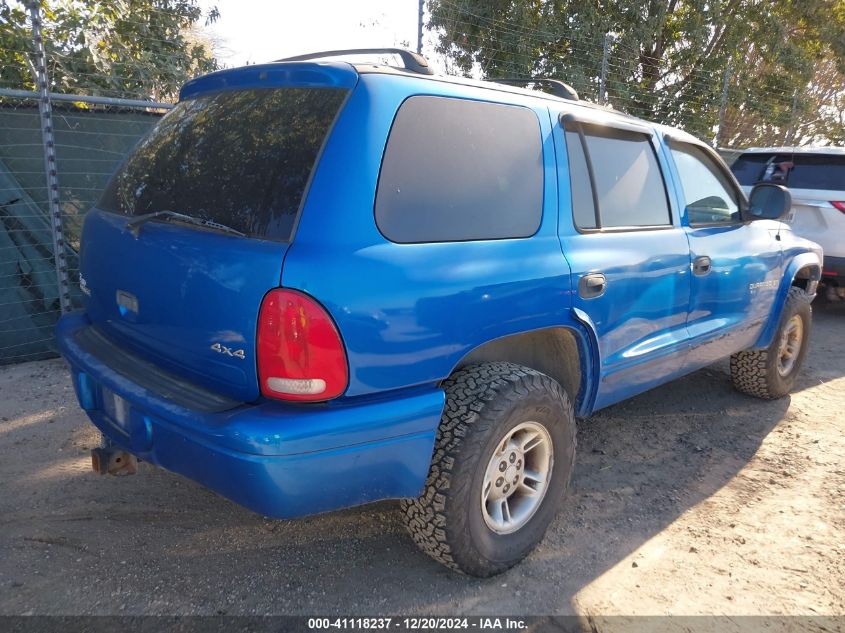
768,202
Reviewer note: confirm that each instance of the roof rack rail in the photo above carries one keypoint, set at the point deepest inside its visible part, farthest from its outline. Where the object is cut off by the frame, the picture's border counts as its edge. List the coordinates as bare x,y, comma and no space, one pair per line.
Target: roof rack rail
413,61
558,88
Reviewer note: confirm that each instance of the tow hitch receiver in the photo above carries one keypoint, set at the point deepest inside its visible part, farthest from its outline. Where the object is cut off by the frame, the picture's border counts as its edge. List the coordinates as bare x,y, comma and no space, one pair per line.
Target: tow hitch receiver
113,461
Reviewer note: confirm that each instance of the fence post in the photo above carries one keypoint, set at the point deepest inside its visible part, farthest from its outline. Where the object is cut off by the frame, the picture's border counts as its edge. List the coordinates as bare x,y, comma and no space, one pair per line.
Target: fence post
793,128
45,108
723,105
420,16
608,38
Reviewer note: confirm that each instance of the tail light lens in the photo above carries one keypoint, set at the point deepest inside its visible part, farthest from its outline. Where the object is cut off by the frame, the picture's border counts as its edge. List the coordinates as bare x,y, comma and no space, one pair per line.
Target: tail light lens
300,354
839,205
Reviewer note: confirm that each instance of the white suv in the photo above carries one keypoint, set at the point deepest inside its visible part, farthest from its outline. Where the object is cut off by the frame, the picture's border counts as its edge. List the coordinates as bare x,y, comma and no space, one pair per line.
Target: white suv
816,178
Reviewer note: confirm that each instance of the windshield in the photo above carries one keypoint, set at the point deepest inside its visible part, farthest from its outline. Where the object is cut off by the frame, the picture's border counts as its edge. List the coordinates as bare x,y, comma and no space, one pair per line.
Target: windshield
237,158
797,171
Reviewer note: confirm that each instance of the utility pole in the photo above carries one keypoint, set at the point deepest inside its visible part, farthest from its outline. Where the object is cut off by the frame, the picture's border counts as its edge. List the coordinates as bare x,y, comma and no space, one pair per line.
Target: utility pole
420,16
723,106
608,38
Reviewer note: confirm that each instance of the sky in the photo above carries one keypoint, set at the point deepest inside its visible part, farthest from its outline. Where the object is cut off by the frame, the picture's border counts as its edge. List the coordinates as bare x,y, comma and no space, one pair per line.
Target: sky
257,31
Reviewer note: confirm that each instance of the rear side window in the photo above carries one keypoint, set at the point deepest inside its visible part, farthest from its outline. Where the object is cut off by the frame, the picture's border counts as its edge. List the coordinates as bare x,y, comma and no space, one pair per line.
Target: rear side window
240,158
629,187
798,171
457,170
583,205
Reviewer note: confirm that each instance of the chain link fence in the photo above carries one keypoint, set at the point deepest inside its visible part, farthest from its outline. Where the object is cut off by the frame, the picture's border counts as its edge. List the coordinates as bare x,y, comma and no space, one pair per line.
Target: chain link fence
90,140
57,152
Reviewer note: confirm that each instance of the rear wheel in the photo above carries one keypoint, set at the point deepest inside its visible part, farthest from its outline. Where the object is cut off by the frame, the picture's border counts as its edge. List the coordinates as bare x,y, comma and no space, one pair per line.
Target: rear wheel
502,461
771,373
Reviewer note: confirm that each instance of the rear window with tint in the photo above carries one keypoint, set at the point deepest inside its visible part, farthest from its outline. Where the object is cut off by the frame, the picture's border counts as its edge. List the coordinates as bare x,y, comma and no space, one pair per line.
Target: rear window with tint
798,171
457,170
583,205
628,182
239,158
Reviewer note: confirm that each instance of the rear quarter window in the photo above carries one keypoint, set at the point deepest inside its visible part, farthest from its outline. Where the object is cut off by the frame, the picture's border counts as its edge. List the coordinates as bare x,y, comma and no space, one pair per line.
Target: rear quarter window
457,170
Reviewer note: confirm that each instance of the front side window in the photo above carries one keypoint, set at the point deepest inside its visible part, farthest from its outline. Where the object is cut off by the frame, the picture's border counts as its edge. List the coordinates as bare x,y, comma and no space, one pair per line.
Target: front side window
629,187
708,195
457,170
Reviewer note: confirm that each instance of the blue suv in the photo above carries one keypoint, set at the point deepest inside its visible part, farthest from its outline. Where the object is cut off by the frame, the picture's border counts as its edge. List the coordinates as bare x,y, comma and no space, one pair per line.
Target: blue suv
317,284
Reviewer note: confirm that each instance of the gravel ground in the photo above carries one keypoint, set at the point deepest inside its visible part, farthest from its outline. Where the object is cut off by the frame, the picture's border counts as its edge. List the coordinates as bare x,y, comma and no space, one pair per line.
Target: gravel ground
689,499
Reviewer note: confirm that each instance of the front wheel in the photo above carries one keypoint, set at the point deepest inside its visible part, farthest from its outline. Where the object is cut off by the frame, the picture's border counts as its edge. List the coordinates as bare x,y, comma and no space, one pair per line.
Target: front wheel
771,373
502,461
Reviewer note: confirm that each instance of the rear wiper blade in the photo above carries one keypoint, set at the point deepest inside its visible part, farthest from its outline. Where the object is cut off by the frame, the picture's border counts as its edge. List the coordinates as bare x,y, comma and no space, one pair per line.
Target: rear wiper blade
135,225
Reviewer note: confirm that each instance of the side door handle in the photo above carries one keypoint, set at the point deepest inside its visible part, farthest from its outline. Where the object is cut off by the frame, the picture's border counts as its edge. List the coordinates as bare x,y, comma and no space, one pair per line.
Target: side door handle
592,285
701,265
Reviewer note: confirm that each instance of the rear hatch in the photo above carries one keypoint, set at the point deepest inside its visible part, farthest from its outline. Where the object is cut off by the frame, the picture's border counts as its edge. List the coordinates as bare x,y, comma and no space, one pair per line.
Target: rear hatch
193,228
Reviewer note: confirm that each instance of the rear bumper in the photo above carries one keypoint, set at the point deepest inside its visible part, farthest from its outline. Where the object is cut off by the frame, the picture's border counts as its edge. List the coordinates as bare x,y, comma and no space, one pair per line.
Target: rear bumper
834,269
283,461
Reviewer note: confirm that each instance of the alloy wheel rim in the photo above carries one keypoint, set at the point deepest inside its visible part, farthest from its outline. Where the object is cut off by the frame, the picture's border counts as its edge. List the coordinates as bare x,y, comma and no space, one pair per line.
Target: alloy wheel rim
790,345
517,477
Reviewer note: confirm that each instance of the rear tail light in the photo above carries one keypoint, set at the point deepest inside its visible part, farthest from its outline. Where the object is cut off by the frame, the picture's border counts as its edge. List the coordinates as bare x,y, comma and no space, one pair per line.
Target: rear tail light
300,354
839,205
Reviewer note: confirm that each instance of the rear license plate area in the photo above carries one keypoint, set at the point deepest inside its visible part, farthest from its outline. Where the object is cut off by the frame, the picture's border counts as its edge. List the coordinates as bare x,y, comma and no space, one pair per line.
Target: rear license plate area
117,409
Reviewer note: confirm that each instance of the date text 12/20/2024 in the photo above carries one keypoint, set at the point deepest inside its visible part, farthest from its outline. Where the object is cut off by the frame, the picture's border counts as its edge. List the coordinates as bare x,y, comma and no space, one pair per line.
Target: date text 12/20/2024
419,624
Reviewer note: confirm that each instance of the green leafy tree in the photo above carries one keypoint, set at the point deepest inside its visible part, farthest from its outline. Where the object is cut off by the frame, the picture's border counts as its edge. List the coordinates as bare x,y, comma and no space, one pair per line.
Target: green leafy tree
117,48
667,58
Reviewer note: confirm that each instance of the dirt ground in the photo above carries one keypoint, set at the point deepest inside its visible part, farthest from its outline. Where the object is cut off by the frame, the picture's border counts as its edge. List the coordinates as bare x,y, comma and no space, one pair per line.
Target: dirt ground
689,499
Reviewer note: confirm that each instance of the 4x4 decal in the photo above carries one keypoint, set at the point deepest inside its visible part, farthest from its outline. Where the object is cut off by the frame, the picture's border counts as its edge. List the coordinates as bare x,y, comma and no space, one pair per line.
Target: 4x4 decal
222,349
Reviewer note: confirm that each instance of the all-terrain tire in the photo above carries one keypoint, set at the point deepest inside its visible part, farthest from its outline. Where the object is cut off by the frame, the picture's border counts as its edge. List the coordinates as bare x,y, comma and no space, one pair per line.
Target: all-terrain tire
483,403
755,372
